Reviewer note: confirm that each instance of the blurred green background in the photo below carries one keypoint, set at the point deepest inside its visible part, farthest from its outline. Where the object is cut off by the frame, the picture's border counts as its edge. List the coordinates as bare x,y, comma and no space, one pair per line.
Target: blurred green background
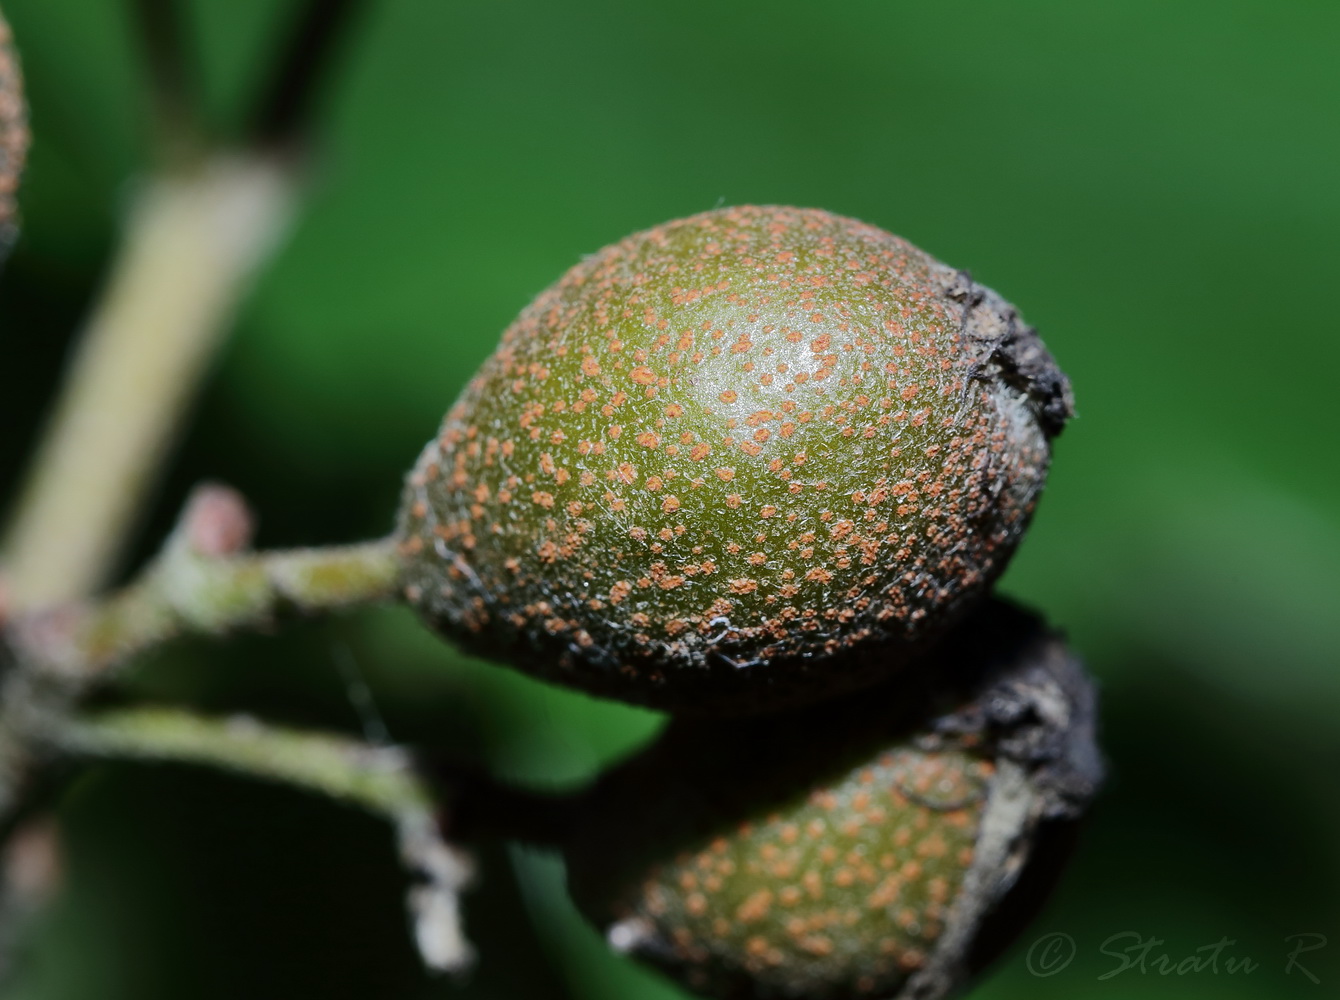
1154,183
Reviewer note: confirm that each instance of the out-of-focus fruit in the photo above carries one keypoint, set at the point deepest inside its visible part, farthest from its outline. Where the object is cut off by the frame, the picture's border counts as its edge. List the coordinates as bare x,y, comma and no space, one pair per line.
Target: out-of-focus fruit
855,849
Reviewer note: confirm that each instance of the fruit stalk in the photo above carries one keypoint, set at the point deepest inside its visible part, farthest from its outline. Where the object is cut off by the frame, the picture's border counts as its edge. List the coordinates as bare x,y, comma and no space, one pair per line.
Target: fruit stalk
379,779
204,582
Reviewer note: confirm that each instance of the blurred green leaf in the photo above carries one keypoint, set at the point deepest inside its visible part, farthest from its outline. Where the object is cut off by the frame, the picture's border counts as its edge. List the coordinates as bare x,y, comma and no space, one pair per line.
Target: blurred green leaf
1152,183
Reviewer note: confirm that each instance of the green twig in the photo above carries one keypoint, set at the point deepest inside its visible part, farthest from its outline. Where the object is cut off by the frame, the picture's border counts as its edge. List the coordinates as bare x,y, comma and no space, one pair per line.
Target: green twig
381,780
204,582
378,779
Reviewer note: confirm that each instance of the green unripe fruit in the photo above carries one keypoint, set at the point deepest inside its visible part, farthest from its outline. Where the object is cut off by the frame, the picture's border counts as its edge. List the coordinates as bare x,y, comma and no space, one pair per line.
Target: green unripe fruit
734,461
13,135
848,850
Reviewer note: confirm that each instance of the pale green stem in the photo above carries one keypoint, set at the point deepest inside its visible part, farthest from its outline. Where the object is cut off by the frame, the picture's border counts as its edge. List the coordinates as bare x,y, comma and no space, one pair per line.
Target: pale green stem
381,780
193,242
378,779
189,594
203,582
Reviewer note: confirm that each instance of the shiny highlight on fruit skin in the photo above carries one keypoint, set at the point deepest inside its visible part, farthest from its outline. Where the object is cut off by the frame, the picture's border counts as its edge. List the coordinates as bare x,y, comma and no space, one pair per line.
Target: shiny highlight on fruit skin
732,462
14,137
853,850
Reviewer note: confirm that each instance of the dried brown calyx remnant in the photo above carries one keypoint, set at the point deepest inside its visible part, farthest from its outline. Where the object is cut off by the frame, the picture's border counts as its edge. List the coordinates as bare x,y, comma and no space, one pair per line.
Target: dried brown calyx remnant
13,136
867,847
735,461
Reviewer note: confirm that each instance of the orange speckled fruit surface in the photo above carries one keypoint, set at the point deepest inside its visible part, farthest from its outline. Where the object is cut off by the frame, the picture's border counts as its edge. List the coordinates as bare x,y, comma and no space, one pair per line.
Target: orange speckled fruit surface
884,845
857,877
13,134
741,459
